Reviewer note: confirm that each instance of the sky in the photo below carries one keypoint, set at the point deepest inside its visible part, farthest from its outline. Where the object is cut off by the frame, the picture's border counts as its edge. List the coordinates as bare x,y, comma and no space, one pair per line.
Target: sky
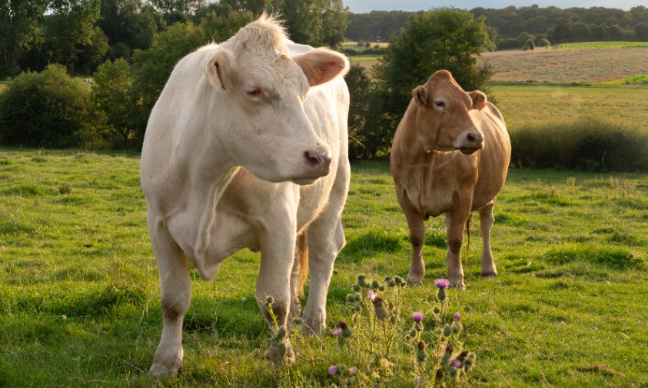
365,6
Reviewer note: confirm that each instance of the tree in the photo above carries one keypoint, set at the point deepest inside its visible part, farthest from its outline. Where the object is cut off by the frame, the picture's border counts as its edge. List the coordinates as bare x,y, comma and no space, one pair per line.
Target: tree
20,31
641,30
220,28
152,67
448,39
128,25
334,22
48,109
112,95
358,83
71,36
177,11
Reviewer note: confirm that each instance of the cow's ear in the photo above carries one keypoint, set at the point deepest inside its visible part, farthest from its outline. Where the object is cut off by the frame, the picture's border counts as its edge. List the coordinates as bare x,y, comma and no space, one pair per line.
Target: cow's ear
220,69
478,99
420,95
322,65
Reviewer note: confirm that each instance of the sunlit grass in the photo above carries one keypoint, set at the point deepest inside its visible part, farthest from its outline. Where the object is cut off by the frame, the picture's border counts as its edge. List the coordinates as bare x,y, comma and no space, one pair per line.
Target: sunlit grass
79,284
601,45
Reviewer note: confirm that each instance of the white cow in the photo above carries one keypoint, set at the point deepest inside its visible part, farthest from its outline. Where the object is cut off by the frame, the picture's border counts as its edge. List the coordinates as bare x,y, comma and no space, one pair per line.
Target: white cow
247,148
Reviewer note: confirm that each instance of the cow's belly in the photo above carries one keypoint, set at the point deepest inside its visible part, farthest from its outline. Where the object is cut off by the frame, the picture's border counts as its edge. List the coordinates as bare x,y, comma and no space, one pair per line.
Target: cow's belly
435,202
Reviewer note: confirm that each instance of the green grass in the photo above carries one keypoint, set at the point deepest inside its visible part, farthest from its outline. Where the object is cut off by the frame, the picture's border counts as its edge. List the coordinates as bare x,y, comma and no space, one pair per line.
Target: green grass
601,45
555,104
364,58
639,79
79,283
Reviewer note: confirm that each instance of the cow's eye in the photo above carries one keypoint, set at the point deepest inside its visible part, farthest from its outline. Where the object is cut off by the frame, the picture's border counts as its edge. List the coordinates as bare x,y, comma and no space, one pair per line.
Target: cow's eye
254,92
439,104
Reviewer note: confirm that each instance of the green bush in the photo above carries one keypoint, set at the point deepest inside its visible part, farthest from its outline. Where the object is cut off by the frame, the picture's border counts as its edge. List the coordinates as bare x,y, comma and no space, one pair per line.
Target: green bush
49,109
586,144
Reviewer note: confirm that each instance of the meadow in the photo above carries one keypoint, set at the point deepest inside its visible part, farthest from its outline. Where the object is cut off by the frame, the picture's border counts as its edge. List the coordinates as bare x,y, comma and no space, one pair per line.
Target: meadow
79,284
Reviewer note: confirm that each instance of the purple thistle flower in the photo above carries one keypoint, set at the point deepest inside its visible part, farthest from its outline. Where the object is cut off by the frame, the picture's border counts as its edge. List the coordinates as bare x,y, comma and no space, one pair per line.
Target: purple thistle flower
457,316
371,294
337,331
417,317
456,363
442,283
417,381
332,370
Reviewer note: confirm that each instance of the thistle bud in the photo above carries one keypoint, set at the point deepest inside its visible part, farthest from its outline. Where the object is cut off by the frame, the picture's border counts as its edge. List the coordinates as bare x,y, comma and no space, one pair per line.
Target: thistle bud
456,327
447,330
441,294
421,356
382,312
375,284
449,348
439,374
281,333
355,288
462,356
421,345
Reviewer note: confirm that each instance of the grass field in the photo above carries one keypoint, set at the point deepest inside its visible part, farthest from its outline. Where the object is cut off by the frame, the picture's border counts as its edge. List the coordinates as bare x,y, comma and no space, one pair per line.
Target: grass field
524,104
601,45
79,286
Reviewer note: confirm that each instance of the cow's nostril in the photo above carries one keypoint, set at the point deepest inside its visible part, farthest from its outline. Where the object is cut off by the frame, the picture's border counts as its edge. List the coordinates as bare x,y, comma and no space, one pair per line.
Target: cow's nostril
313,159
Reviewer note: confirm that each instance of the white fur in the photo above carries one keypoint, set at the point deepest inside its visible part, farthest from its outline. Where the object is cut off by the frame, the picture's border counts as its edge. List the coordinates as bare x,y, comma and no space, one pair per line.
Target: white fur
219,166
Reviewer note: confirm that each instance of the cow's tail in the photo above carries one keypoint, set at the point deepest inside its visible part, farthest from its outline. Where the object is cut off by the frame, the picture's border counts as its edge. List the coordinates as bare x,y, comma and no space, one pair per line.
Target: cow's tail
468,243
302,251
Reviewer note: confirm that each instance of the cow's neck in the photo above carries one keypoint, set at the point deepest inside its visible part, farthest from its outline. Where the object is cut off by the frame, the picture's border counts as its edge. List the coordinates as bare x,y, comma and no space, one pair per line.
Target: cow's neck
411,148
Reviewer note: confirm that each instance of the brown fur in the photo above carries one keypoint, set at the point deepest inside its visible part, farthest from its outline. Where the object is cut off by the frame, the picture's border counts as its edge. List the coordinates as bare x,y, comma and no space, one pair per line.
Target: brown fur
433,178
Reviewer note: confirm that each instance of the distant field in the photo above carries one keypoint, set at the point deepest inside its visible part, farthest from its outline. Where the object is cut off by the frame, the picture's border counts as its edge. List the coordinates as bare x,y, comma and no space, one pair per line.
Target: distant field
582,65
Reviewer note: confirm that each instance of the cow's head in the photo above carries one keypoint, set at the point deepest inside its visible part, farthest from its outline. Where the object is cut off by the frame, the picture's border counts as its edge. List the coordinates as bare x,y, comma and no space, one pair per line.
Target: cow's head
444,118
261,92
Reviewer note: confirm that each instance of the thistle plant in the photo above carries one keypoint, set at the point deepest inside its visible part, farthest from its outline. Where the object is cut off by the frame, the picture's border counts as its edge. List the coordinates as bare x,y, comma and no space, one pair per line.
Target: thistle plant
385,342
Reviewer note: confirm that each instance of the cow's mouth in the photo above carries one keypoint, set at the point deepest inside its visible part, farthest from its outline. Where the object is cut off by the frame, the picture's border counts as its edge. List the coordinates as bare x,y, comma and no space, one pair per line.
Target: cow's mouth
304,181
469,151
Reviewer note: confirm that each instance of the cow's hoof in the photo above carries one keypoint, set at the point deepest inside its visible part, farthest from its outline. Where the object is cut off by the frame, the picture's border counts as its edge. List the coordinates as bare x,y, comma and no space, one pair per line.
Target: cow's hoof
459,284
414,281
165,369
489,274
280,353
314,324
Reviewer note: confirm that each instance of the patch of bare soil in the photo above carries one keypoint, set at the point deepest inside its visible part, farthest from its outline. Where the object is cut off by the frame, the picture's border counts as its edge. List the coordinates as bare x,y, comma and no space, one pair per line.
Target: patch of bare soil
582,65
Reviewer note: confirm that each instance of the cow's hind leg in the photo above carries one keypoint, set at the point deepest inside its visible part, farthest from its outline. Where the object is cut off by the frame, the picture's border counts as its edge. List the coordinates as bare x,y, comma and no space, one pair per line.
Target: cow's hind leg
175,299
486,220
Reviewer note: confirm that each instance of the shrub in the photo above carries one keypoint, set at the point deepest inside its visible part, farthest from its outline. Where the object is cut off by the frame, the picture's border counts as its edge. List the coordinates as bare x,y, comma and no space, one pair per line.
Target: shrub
529,44
586,144
48,109
112,95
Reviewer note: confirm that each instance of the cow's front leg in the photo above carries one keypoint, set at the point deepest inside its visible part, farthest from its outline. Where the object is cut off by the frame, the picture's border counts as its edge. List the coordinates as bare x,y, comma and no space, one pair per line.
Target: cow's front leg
486,220
175,297
416,226
273,287
456,223
325,240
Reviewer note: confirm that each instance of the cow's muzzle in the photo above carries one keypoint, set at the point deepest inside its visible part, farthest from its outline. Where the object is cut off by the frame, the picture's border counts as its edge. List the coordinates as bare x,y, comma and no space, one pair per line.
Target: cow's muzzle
470,141
318,161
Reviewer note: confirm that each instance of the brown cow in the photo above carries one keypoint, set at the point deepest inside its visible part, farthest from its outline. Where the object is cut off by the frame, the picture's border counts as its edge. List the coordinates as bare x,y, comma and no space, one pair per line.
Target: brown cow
436,169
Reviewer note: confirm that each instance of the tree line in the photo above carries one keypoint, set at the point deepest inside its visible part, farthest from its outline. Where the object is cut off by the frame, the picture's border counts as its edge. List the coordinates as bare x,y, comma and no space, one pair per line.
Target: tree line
46,106
512,24
82,34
